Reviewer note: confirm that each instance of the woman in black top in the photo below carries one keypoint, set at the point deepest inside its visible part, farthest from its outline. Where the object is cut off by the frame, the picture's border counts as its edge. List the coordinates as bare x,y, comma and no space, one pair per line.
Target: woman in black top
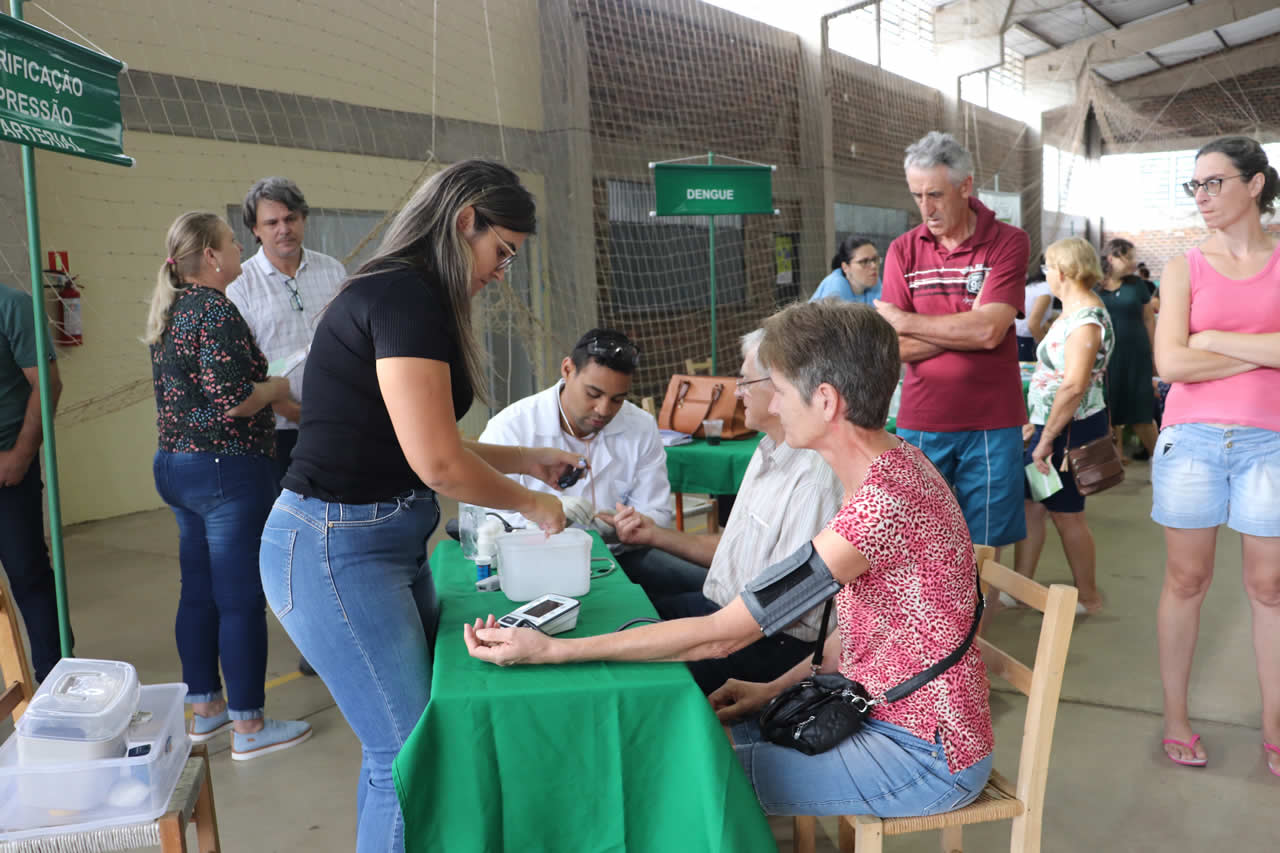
393,365
213,469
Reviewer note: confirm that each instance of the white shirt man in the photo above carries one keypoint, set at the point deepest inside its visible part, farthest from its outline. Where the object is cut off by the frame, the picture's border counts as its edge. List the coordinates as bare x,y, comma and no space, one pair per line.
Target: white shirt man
787,496
281,291
587,413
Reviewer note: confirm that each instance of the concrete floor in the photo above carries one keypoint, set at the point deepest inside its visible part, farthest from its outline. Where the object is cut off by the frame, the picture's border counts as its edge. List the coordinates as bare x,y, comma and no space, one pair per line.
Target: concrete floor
1110,788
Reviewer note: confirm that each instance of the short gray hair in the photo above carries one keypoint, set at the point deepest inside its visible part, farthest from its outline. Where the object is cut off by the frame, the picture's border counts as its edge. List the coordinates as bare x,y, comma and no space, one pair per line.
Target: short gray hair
847,345
281,190
751,345
939,149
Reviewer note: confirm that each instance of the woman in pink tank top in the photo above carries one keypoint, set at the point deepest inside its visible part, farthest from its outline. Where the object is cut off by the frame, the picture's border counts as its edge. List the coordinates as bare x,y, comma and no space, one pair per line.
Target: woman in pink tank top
1217,460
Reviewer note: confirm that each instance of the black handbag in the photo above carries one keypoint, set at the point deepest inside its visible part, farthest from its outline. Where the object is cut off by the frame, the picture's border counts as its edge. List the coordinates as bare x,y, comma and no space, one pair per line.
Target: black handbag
827,708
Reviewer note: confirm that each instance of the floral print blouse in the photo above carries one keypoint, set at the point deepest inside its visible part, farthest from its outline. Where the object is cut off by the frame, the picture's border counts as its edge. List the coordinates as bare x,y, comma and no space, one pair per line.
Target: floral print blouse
206,363
1051,365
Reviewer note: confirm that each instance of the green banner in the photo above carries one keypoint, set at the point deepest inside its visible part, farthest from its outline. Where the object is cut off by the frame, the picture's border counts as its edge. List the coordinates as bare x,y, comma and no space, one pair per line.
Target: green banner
686,189
57,95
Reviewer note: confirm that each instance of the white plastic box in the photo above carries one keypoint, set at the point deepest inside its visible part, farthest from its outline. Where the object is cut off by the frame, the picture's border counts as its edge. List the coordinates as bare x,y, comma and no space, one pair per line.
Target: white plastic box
534,564
37,798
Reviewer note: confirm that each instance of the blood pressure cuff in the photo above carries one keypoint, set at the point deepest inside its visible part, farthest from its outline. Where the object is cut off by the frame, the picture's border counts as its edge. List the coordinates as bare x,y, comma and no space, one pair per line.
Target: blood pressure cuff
789,589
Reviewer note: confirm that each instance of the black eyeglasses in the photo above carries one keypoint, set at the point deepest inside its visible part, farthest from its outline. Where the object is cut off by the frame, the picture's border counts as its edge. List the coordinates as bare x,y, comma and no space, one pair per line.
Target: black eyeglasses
609,350
743,383
1213,186
295,299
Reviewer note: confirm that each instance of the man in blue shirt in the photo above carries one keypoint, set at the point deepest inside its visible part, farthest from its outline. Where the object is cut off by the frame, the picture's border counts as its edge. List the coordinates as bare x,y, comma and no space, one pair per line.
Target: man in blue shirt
855,273
23,552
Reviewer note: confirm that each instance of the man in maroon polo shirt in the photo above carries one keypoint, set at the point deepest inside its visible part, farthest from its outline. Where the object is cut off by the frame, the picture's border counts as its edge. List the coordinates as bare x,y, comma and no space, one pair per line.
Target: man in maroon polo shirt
952,287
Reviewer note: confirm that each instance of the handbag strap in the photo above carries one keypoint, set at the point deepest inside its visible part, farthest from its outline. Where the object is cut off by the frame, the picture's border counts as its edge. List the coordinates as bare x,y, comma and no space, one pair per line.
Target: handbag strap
919,680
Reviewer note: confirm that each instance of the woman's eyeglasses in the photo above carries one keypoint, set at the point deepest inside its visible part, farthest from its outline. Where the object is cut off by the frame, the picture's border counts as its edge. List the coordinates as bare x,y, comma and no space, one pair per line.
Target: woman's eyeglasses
1212,187
509,259
868,262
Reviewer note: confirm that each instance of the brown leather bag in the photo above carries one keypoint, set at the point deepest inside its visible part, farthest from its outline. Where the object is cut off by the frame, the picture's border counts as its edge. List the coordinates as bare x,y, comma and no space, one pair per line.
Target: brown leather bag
690,400
1096,466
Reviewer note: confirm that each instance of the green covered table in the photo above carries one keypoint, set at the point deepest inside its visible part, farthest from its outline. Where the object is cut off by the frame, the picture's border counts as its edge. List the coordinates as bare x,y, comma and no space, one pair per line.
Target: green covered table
701,468
575,757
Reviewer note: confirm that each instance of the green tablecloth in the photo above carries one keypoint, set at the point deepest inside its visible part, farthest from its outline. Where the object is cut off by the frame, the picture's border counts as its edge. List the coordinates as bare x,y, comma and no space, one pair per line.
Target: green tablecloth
699,468
579,757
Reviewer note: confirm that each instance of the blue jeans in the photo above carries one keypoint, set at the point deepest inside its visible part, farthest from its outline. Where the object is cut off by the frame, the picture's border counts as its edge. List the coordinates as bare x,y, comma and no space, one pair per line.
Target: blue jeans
883,770
352,586
661,574
25,559
220,503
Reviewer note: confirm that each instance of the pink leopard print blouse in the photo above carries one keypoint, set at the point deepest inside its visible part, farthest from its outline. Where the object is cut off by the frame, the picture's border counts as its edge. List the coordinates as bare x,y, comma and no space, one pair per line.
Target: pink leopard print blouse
915,603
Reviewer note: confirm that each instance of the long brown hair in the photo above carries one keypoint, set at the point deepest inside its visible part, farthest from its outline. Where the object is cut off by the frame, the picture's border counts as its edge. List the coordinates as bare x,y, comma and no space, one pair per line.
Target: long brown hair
425,236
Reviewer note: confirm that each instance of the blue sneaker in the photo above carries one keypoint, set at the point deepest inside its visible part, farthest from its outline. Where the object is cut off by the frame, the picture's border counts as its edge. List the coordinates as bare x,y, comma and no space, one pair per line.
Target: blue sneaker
204,729
275,736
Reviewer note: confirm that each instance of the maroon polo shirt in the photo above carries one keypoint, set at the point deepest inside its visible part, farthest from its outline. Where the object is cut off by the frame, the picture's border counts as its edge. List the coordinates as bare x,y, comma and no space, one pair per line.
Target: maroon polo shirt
961,391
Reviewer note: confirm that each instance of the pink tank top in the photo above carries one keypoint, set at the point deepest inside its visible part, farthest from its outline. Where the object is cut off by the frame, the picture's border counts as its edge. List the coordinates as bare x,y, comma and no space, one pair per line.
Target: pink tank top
1249,305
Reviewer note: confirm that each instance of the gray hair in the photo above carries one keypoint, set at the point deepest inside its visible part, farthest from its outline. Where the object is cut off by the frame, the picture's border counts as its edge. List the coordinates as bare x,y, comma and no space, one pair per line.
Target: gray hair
281,190
751,345
846,345
939,149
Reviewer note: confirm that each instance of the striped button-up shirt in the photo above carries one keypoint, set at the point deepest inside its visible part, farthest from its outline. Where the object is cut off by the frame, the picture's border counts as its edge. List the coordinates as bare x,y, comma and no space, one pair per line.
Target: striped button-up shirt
283,330
787,497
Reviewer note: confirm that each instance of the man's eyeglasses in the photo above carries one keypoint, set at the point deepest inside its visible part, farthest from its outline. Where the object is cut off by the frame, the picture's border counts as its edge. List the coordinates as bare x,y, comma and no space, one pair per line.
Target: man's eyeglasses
868,262
1213,186
295,299
611,350
509,259
742,383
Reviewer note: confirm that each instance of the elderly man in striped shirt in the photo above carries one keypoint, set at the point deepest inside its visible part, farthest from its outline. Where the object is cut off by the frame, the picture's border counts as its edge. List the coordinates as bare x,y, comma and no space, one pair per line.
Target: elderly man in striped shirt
787,497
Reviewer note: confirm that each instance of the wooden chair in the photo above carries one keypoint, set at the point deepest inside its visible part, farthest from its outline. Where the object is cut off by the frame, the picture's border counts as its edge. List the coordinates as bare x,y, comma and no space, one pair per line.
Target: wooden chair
648,404
1020,801
191,802
21,684
693,368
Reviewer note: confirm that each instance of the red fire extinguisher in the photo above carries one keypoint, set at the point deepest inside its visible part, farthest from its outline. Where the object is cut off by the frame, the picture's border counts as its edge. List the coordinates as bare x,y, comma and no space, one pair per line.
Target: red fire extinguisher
68,327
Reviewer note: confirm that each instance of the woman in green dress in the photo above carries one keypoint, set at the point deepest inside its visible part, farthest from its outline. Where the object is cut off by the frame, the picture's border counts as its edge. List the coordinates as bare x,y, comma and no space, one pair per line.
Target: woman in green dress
1130,394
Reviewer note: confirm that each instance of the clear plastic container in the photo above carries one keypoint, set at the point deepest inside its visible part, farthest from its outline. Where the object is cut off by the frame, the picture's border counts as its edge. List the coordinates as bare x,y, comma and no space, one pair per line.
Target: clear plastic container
80,712
45,797
534,564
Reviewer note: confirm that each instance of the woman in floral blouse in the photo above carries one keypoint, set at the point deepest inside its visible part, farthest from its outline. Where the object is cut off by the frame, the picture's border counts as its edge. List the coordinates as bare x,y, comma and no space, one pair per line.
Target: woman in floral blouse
1068,408
214,469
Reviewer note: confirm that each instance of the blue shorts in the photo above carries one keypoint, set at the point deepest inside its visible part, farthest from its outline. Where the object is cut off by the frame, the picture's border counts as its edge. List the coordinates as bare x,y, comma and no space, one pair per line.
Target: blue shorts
984,468
1203,476
1083,431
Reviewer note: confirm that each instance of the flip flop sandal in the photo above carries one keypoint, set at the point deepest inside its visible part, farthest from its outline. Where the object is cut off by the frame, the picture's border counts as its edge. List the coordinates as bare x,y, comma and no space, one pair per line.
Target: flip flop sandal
1191,745
1271,747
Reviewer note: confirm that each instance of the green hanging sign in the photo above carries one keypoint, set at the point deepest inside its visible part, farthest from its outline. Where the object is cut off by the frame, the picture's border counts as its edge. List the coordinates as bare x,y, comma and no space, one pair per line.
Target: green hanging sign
57,95
696,189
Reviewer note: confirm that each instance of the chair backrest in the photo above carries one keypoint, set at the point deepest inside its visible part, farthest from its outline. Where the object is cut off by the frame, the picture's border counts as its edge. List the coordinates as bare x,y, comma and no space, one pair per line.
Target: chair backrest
649,405
19,685
1042,682
693,368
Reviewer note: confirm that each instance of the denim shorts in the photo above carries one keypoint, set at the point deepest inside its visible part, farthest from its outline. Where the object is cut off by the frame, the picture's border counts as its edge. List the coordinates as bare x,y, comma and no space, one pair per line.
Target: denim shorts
1203,476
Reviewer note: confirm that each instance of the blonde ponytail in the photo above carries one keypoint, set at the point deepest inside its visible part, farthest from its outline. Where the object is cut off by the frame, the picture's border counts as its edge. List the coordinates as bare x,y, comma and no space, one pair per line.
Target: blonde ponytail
188,237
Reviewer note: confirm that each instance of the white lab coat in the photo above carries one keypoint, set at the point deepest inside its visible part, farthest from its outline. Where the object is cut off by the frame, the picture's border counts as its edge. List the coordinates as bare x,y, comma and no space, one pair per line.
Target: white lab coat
628,463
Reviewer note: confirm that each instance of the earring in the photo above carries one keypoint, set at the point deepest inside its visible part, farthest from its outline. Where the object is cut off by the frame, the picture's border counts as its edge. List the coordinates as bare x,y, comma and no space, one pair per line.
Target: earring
217,269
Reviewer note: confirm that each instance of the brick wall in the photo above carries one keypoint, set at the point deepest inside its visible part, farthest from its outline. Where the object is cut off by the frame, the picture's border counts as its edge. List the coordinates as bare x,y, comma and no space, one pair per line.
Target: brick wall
1156,248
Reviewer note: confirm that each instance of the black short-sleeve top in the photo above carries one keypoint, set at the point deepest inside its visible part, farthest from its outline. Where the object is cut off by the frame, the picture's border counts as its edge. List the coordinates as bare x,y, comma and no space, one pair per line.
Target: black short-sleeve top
347,449
206,363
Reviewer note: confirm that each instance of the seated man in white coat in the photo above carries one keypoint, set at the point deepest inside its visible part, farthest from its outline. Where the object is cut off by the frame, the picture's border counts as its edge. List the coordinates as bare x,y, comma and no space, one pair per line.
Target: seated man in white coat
587,413
787,496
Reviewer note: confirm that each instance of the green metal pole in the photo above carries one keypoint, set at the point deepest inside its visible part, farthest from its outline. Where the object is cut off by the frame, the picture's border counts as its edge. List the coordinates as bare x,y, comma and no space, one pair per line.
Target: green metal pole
711,230
46,401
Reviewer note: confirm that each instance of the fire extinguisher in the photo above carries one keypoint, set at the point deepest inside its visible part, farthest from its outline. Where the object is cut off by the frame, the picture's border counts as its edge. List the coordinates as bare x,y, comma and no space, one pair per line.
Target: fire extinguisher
68,327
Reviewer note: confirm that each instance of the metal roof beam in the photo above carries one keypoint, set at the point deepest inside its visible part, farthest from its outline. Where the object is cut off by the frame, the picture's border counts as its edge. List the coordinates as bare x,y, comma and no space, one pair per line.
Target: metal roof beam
1139,37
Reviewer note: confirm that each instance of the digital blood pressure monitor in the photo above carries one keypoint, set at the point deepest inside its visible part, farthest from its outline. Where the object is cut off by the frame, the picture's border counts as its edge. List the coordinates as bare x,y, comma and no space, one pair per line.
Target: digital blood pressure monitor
550,614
